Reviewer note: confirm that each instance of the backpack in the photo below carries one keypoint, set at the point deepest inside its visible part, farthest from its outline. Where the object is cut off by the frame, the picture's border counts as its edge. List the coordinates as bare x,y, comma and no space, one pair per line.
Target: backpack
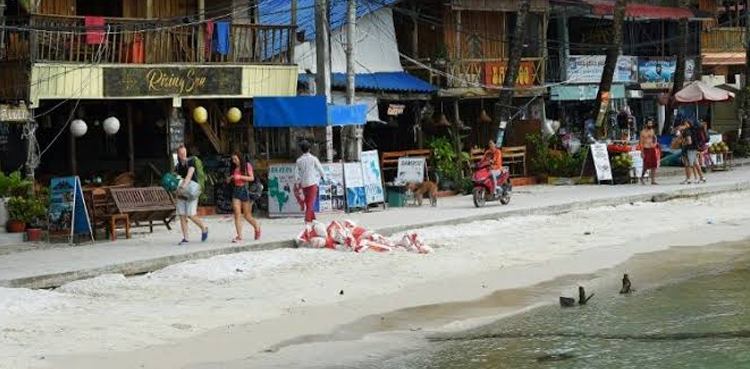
699,137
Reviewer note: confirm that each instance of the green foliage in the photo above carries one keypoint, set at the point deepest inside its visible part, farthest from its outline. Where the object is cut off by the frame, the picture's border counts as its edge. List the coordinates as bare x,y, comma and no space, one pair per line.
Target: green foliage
445,157
621,163
13,184
26,210
547,158
739,148
202,178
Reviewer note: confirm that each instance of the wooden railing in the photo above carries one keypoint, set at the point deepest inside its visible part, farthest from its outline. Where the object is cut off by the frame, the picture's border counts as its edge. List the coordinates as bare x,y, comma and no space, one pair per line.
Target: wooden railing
473,72
723,40
142,41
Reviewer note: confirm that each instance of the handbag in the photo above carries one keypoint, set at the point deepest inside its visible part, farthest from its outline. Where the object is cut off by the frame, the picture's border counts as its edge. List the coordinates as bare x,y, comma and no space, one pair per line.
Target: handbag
191,192
676,143
254,188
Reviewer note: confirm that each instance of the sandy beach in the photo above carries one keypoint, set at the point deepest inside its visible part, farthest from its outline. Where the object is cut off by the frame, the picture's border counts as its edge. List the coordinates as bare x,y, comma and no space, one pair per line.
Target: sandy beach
230,311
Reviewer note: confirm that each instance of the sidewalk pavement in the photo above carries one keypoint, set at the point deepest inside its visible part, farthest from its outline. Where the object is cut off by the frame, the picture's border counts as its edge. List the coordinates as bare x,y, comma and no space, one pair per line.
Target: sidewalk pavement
43,266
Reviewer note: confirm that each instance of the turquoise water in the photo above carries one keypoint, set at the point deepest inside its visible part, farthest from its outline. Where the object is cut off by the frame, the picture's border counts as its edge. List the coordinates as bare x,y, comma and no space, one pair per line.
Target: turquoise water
701,322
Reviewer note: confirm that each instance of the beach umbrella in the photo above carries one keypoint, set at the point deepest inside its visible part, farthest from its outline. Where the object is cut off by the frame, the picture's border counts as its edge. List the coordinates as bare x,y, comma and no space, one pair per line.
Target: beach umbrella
699,92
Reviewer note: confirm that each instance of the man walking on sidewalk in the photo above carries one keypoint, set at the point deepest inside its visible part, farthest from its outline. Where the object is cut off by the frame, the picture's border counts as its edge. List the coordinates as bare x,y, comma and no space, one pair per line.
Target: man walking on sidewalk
187,195
649,152
309,173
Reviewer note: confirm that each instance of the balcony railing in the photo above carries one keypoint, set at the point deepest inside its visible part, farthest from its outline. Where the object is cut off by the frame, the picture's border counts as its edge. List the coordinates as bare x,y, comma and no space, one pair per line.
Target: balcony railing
56,39
723,40
478,72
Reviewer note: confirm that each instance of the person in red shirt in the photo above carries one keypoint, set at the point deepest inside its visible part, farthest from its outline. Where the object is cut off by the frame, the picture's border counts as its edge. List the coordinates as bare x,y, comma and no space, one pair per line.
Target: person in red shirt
495,156
242,175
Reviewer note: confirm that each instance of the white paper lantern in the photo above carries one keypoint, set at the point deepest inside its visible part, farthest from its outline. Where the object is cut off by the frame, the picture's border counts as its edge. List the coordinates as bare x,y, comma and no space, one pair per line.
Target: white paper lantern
78,128
111,125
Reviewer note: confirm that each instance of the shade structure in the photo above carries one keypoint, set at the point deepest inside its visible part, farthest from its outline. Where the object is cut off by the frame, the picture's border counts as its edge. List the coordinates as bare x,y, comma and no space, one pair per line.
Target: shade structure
305,111
699,92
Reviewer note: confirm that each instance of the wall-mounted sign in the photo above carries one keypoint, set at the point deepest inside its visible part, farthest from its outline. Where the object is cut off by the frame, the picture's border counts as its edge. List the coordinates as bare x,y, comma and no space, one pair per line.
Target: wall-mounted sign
658,73
494,73
172,81
589,69
10,113
395,109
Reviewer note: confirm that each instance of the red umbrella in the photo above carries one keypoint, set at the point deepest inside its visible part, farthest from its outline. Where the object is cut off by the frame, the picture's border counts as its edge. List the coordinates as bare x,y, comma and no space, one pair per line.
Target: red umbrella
700,93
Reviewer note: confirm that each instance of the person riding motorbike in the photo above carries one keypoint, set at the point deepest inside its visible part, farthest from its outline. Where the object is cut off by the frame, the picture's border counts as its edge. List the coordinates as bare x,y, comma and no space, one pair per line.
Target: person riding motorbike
495,157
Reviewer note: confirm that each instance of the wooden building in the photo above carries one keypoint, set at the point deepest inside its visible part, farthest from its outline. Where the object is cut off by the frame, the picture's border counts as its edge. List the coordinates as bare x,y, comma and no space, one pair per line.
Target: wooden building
149,63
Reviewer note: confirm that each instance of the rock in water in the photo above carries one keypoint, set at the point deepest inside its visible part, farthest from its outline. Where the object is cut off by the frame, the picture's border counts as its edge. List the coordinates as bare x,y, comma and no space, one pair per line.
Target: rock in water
626,285
567,301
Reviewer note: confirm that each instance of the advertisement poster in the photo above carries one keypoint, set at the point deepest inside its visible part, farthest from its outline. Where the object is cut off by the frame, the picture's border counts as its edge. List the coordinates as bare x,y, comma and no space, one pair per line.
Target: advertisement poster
68,216
601,162
658,73
372,177
331,191
355,185
281,197
589,69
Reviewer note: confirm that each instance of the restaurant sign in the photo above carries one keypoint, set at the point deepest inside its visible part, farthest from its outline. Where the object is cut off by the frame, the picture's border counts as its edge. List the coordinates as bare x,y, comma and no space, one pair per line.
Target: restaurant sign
494,74
589,69
172,81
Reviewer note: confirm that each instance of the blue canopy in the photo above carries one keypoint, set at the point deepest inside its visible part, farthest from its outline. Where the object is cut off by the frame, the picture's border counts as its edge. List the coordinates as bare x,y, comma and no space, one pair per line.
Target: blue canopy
305,111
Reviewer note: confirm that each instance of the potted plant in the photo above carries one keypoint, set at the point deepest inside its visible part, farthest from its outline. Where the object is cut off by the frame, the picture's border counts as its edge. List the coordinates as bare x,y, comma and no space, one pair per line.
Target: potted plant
10,185
22,211
204,179
554,165
444,156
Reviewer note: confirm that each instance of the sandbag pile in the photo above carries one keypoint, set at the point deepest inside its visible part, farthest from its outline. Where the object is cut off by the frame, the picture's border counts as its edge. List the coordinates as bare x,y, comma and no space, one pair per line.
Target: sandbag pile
347,236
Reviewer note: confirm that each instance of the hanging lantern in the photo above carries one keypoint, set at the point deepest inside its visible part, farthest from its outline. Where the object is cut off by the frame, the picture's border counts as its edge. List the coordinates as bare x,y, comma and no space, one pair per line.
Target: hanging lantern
484,117
200,115
111,125
234,115
78,128
442,121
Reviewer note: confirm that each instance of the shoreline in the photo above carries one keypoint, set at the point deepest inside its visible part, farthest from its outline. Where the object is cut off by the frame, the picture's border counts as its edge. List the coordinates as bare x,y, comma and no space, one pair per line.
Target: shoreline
243,344
148,254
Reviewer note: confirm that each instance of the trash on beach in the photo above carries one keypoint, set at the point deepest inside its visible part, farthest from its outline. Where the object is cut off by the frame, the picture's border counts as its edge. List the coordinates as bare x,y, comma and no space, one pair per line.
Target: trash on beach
348,236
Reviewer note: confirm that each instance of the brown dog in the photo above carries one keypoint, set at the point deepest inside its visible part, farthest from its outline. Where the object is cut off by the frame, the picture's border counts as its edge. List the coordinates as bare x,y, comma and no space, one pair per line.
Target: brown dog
420,189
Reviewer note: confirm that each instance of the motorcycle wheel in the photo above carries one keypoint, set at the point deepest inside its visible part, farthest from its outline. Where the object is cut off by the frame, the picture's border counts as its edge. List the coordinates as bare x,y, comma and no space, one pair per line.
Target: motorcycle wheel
479,196
505,198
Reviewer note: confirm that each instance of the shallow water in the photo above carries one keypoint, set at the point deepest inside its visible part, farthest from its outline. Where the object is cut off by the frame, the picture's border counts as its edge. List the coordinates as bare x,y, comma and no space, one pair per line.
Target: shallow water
701,322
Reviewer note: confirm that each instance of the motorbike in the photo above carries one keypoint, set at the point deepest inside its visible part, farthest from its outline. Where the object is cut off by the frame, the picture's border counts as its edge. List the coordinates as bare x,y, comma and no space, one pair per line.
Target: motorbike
484,185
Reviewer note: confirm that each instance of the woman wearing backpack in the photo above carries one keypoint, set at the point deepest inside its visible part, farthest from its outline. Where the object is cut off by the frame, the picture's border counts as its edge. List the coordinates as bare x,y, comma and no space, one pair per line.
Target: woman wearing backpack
241,178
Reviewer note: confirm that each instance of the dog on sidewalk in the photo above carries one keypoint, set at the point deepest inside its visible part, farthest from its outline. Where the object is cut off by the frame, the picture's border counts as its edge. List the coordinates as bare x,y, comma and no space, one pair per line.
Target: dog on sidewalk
420,189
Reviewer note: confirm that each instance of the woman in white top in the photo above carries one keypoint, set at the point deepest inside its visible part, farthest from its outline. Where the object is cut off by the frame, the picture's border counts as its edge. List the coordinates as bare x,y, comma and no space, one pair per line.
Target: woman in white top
309,173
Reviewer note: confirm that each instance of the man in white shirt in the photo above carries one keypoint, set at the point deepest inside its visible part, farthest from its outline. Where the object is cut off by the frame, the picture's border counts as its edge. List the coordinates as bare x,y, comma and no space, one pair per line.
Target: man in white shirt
309,173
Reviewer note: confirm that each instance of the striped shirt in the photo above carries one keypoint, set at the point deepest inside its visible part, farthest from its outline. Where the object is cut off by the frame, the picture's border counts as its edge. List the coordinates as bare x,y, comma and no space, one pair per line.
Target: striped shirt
309,170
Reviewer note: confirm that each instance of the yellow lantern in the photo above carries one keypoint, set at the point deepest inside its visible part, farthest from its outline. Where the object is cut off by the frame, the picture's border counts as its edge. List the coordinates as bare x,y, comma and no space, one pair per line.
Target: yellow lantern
234,115
200,115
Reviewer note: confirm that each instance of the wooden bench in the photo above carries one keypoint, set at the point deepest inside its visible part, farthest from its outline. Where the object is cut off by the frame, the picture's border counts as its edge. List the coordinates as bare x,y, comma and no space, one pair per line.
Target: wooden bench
515,158
145,204
389,159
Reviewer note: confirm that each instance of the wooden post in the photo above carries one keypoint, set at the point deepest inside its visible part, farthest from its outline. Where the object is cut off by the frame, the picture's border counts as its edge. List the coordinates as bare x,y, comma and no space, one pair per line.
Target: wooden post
415,34
73,159
201,30
457,133
293,36
131,144
150,9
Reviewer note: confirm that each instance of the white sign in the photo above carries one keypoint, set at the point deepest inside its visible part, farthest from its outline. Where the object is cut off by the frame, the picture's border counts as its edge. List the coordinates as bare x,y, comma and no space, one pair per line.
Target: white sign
601,162
395,109
10,113
355,185
637,163
282,200
411,170
372,177
589,69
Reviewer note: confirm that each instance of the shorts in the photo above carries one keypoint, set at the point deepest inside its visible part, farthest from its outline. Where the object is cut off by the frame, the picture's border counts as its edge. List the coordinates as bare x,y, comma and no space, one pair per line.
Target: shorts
187,208
691,157
240,193
650,159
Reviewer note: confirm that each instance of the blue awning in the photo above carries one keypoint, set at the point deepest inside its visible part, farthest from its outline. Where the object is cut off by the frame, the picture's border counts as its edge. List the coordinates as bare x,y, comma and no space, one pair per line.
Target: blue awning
381,81
304,111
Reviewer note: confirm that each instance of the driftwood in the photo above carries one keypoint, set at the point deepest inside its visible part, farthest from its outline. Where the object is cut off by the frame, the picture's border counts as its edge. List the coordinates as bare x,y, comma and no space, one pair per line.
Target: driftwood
582,299
626,285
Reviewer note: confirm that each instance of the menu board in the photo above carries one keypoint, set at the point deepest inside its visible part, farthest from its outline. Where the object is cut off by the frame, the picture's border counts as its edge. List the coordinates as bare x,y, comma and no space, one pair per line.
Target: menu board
372,177
176,132
355,185
601,162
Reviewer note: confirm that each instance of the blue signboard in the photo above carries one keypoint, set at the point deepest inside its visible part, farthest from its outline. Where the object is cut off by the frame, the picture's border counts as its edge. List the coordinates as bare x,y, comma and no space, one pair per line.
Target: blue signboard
68,215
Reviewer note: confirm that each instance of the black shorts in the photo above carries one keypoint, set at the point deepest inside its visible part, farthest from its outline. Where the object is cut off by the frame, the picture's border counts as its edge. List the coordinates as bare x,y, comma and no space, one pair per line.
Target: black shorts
240,193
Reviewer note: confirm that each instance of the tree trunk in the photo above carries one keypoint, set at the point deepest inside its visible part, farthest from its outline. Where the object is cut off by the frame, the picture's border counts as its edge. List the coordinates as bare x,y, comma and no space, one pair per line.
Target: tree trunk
683,34
514,62
745,116
610,63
